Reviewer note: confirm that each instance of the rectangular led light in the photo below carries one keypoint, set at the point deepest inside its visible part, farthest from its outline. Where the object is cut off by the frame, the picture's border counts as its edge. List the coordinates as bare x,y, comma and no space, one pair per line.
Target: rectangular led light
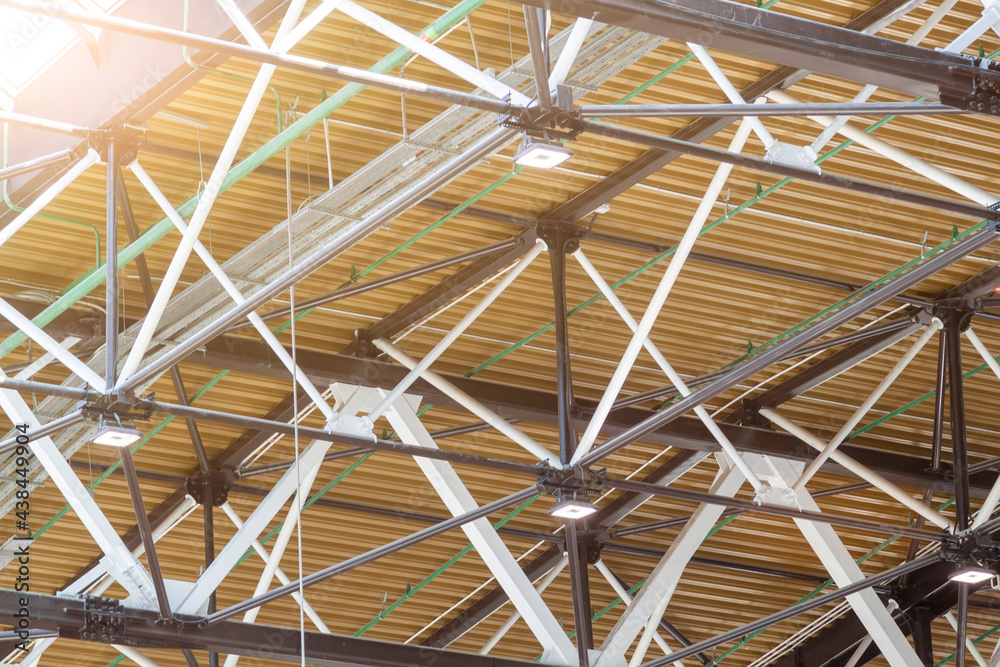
117,436
544,156
573,509
972,574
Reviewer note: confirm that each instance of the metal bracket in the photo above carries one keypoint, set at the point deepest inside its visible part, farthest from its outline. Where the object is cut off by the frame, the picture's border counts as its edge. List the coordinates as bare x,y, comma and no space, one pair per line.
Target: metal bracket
572,480
124,407
212,486
103,620
985,95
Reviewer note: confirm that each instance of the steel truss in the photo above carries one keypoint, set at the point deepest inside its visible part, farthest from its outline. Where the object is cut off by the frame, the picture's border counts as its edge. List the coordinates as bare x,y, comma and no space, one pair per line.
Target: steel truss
778,462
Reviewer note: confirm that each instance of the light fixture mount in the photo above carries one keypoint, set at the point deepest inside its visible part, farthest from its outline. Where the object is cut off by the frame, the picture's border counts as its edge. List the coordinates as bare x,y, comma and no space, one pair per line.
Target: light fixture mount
573,489
116,416
972,573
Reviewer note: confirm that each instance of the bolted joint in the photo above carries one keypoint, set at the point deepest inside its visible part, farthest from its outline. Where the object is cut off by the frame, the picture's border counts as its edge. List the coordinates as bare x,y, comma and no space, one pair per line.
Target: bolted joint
118,406
364,346
103,620
567,481
211,487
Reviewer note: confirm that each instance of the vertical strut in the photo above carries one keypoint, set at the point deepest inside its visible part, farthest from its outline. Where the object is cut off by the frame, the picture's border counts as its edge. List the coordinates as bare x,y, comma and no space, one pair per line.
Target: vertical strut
558,247
111,284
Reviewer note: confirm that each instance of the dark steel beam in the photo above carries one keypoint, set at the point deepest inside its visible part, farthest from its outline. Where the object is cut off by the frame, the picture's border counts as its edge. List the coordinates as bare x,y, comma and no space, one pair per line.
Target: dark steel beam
576,550
863,303
531,405
260,642
777,37
760,110
112,155
823,370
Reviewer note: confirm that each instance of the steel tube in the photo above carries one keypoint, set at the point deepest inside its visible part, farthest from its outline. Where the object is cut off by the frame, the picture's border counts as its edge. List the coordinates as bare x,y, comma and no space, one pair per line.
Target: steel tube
749,506
740,110
564,371
539,60
456,331
866,405
866,301
145,532
231,49
353,289
368,557
111,271
990,504
42,123
488,145
285,465
580,592
33,165
757,164
795,610
956,404
49,428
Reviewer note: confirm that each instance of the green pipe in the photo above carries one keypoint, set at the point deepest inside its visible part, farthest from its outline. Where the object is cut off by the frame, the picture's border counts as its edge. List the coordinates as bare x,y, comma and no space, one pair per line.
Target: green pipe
163,227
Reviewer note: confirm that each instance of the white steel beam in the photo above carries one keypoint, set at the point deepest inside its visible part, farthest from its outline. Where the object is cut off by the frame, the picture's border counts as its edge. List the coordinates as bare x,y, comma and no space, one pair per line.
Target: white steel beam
433,53
867,404
211,192
119,561
993,497
664,365
844,571
897,155
488,544
52,346
570,51
654,596
279,573
233,292
32,209
627,599
515,615
659,298
242,24
860,470
41,362
470,404
135,656
457,330
729,90
258,520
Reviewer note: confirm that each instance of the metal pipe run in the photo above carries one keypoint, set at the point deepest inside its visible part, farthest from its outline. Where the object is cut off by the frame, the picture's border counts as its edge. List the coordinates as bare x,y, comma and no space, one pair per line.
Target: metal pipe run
795,610
44,124
33,165
872,295
51,427
457,330
757,164
360,288
368,557
493,142
749,506
145,532
285,465
861,471
740,110
232,49
539,60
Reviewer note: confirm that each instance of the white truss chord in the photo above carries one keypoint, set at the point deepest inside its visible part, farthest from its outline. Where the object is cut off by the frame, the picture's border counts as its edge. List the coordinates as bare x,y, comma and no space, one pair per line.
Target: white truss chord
569,53
433,53
41,362
32,209
442,476
627,600
652,599
234,292
212,191
897,155
665,366
457,330
867,404
839,562
470,404
870,476
515,615
52,346
659,298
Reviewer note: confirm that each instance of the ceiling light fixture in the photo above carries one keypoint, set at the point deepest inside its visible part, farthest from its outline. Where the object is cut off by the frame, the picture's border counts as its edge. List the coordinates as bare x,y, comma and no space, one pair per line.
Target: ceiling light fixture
116,435
972,574
541,153
571,507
